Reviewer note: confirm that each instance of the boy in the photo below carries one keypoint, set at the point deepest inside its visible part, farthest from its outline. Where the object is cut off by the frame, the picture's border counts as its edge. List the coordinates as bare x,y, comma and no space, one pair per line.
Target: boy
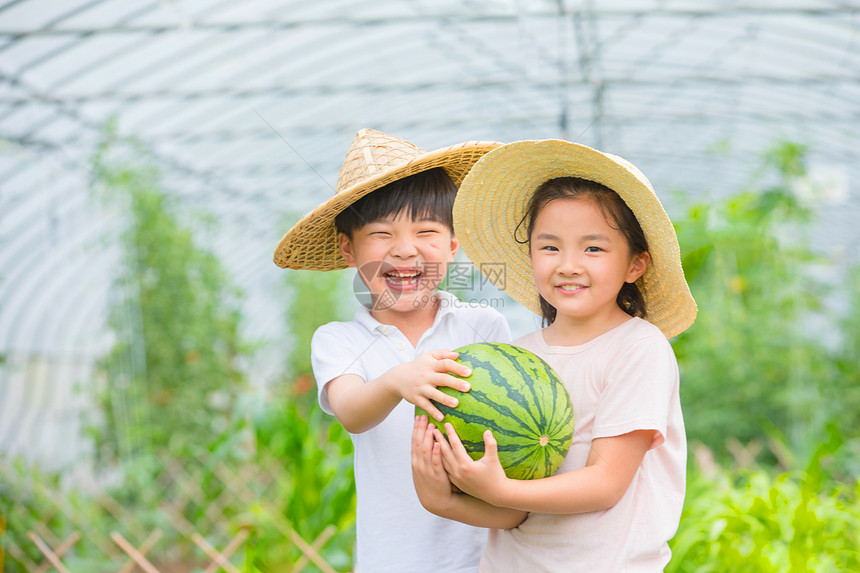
391,219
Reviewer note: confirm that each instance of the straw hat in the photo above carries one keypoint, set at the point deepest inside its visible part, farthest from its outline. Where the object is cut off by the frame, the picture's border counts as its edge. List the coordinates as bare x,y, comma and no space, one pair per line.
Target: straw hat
373,161
492,201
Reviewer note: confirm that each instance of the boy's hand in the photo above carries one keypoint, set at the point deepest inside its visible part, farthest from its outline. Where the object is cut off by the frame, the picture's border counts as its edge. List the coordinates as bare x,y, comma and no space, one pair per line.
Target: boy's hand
431,482
417,382
484,478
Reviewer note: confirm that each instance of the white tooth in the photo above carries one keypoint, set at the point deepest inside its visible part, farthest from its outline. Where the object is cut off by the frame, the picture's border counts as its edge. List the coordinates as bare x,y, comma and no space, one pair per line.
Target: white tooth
402,275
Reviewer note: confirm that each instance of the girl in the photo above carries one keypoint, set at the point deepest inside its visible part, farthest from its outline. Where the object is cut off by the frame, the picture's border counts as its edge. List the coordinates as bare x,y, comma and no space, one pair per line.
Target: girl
586,244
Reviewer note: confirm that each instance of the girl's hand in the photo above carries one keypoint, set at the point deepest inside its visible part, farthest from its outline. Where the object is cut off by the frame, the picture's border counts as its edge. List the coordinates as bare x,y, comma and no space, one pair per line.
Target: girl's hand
431,482
484,478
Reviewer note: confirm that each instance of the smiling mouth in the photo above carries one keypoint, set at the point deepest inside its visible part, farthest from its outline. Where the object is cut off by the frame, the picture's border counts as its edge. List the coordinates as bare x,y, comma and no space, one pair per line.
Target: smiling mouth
403,280
571,288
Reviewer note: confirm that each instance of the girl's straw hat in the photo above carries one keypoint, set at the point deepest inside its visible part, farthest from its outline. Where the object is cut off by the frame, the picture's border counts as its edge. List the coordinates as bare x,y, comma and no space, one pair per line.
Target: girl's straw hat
492,201
373,161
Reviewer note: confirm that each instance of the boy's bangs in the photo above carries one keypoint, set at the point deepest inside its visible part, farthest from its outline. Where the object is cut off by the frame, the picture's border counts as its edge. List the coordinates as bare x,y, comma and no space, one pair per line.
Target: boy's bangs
428,195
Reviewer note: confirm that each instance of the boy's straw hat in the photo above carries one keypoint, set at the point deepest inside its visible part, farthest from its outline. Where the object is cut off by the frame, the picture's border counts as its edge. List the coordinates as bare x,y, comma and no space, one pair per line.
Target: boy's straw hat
492,201
374,160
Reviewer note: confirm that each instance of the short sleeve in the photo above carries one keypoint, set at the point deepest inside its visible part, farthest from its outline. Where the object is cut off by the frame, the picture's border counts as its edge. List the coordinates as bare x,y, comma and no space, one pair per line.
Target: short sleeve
640,383
333,355
497,327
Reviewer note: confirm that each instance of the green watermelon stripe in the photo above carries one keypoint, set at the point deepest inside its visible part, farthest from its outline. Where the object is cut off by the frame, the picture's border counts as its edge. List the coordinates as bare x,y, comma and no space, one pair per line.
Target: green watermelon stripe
496,406
534,453
516,358
510,391
563,430
475,447
536,370
525,458
554,389
532,467
561,417
562,438
564,421
549,373
523,361
561,425
481,421
520,398
478,446
565,413
567,436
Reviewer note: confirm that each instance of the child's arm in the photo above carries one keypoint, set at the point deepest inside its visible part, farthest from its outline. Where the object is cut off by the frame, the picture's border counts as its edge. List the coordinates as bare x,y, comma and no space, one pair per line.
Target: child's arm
603,481
360,405
437,494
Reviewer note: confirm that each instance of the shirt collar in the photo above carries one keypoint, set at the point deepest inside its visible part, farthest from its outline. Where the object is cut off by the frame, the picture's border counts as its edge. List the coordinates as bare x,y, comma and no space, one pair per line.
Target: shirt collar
447,302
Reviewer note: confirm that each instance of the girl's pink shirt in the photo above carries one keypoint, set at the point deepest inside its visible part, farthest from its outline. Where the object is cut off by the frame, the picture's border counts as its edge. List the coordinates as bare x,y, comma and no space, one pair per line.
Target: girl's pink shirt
621,381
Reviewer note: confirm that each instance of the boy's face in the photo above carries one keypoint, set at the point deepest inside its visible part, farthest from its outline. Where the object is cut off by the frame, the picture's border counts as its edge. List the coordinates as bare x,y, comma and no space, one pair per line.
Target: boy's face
401,261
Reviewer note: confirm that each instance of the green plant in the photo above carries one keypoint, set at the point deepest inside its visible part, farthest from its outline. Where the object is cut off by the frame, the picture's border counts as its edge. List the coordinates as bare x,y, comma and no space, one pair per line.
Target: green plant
312,446
31,500
319,489
751,363
843,392
797,521
171,375
313,298
297,482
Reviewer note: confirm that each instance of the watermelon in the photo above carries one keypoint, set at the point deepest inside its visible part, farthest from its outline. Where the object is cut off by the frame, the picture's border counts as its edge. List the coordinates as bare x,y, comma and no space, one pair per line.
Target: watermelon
521,399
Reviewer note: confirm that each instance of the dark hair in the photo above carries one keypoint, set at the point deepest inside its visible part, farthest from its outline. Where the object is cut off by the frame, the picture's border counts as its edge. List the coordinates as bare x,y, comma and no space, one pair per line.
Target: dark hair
618,215
426,195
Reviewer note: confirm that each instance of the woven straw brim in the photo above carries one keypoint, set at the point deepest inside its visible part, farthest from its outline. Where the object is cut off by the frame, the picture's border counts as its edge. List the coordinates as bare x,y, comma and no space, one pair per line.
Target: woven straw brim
493,199
312,243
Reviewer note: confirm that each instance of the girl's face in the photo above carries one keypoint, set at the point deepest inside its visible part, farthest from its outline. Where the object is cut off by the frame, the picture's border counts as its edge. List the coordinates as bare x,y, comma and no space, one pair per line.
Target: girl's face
580,264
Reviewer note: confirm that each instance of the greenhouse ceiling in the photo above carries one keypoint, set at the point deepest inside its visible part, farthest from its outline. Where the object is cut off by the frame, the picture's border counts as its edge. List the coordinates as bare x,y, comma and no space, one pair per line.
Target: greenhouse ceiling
248,108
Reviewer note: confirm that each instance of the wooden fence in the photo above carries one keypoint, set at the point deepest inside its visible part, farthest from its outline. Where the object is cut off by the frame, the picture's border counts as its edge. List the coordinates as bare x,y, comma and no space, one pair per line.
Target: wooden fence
199,520
194,516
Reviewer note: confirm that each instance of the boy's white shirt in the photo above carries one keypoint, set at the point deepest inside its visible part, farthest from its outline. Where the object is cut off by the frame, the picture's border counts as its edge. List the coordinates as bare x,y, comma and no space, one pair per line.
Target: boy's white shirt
619,382
394,532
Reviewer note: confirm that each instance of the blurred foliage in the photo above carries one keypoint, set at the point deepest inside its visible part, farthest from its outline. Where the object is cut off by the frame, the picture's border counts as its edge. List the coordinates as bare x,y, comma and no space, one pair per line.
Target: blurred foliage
26,506
313,447
845,393
278,465
300,481
313,298
766,361
734,520
749,520
171,376
756,361
313,444
318,490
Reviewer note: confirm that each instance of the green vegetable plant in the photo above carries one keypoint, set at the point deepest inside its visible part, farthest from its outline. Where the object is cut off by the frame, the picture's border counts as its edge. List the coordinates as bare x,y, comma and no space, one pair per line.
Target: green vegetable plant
756,359
798,521
171,376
